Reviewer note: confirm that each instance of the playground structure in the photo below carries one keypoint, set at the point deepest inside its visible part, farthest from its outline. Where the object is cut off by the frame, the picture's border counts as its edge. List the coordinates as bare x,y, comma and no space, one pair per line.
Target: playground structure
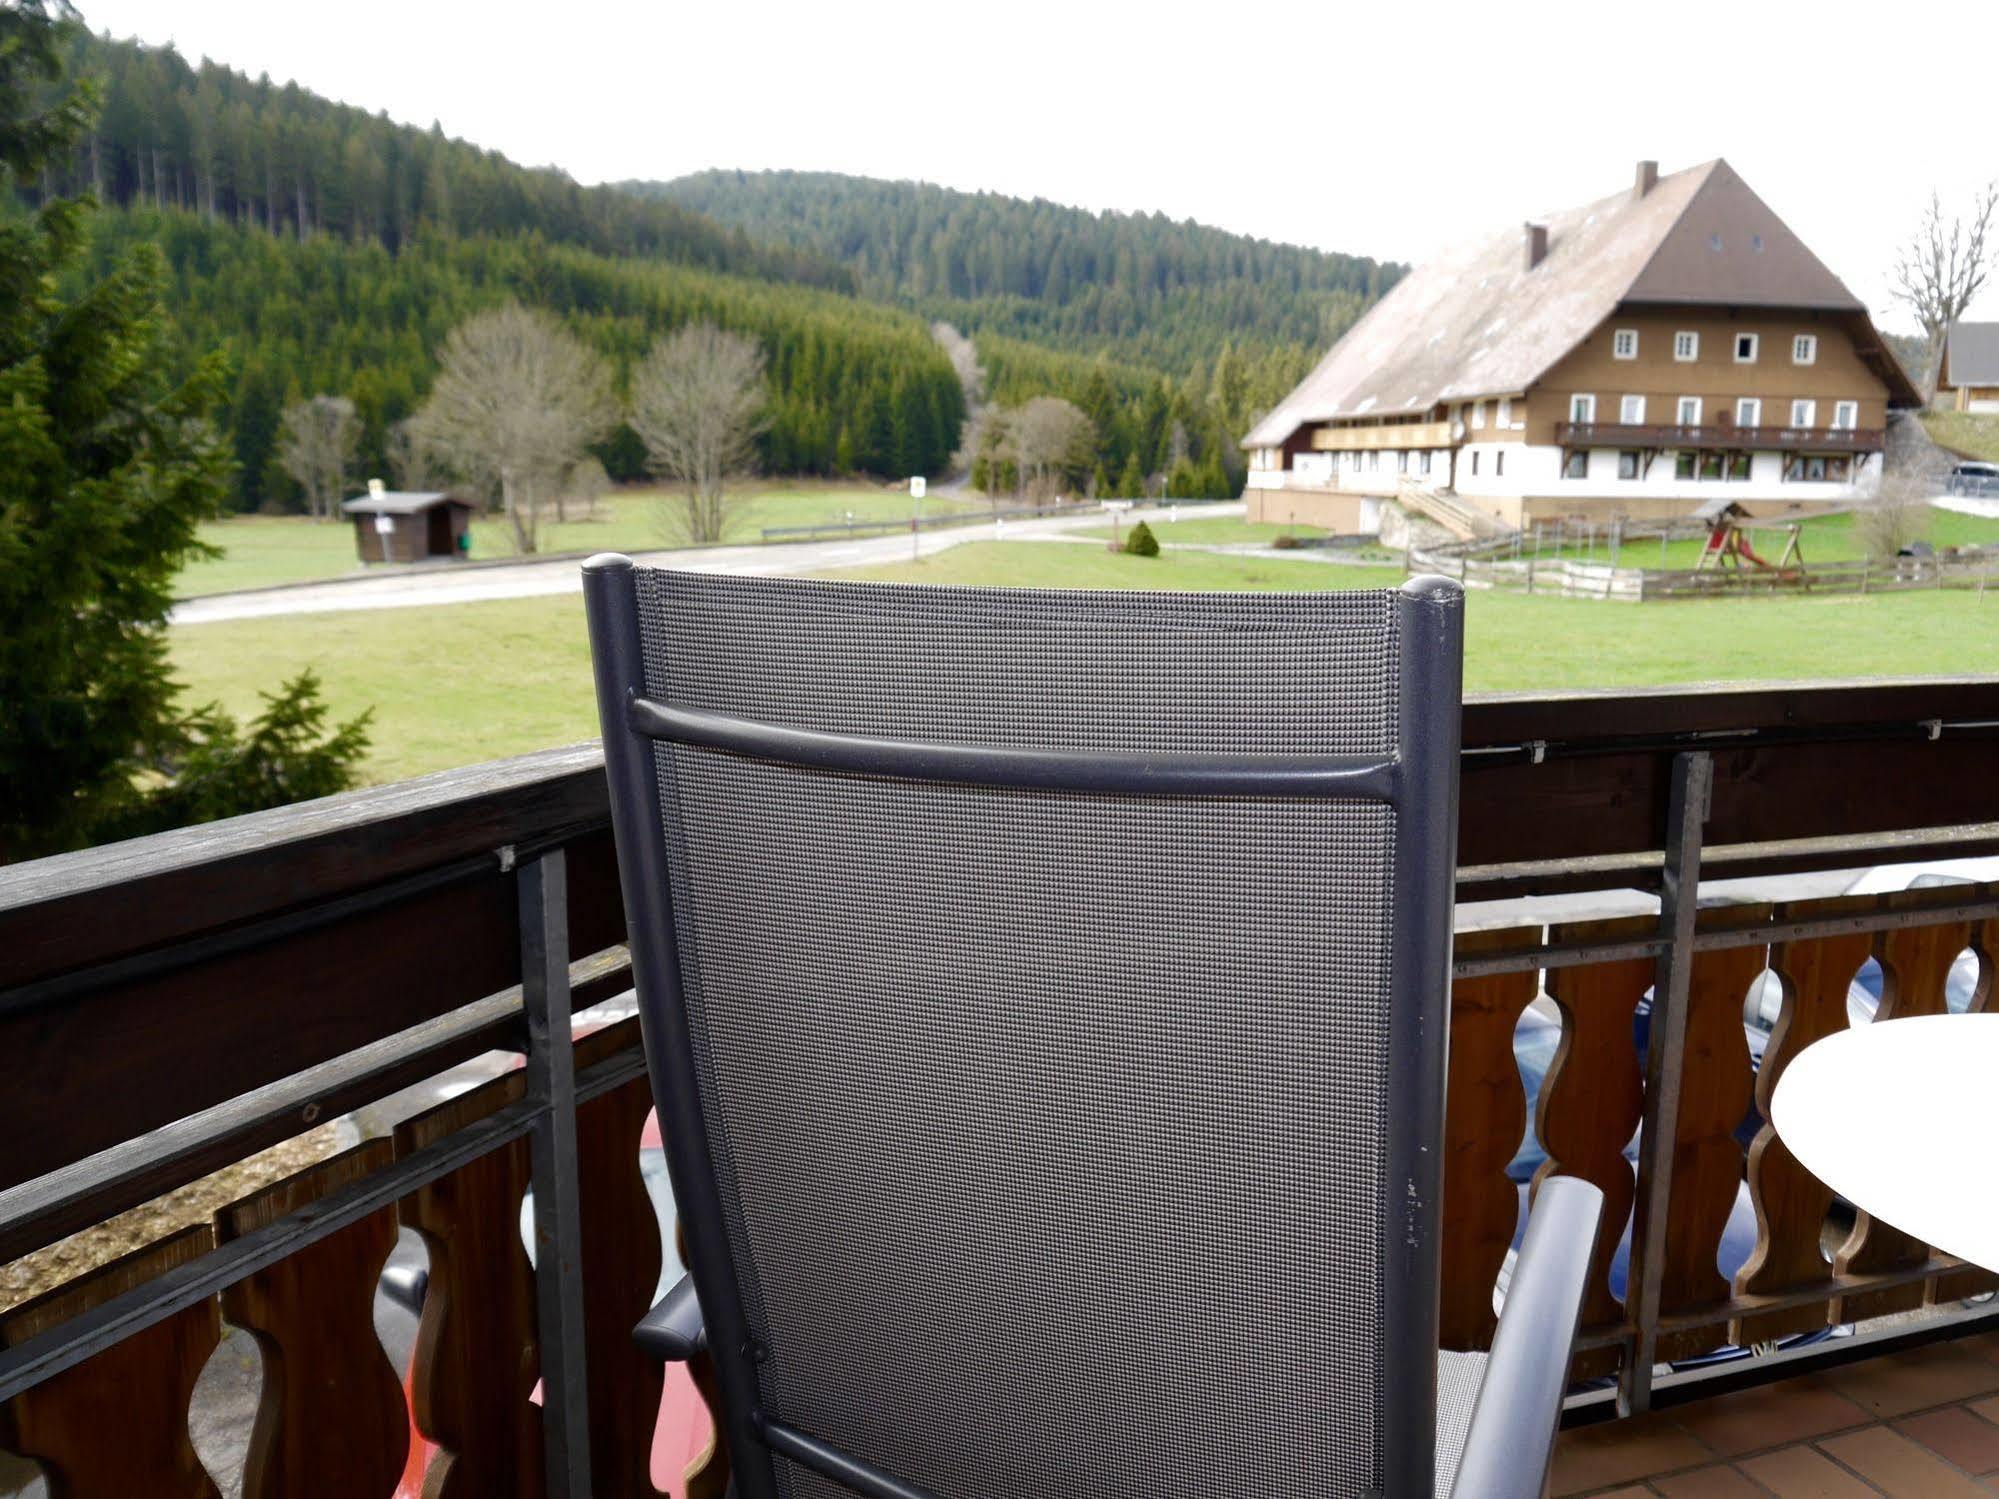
1544,560
1728,543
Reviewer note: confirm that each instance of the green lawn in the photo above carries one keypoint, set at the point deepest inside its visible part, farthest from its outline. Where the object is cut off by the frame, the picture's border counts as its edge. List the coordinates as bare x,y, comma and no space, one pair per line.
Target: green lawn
1974,436
1206,530
471,682
262,550
1826,538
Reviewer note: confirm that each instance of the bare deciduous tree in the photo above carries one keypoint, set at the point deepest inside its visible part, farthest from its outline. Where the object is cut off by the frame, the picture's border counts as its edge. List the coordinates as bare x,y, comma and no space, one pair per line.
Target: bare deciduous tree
586,483
412,464
517,401
1898,514
1050,438
1944,265
964,359
316,442
697,404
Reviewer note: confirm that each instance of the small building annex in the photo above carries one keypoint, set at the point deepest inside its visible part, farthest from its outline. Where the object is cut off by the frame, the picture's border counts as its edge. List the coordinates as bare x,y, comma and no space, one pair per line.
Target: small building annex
1968,379
1631,357
409,526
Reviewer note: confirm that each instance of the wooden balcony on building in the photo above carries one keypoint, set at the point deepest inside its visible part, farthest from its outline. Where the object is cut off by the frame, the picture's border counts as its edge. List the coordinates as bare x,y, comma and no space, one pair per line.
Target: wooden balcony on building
1388,435
1720,435
174,1005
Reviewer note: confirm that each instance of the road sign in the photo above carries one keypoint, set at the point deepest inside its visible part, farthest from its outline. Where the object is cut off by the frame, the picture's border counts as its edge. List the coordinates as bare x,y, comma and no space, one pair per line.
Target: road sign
916,487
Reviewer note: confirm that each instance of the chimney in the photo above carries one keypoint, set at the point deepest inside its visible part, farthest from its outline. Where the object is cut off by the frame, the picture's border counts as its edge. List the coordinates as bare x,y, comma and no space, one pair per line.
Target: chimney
1537,244
1648,178
375,489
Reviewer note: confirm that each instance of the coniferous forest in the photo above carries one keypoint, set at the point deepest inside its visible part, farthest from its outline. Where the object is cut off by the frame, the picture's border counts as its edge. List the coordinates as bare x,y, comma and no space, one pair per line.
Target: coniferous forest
321,249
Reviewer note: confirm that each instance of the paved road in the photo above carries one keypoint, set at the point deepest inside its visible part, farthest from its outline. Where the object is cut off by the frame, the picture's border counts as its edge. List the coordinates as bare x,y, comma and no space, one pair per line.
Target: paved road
459,585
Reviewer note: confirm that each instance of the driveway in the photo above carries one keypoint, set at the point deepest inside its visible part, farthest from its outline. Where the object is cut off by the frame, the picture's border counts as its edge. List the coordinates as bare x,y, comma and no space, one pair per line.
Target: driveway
464,585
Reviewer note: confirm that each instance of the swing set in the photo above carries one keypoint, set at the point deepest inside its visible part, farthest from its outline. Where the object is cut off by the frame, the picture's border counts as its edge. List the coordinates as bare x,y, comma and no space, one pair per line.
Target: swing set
1728,544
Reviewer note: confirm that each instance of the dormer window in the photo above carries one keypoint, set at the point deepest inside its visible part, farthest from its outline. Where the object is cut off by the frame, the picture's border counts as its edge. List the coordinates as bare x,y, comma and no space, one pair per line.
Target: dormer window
1624,344
1805,349
1686,346
1745,348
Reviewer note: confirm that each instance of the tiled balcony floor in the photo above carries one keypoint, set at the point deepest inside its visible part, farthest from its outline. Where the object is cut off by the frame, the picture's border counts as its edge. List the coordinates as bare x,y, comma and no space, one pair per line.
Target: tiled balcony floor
1917,1425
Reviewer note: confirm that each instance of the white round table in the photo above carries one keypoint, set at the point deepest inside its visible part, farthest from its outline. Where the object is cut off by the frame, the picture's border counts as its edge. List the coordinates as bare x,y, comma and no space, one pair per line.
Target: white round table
1895,1117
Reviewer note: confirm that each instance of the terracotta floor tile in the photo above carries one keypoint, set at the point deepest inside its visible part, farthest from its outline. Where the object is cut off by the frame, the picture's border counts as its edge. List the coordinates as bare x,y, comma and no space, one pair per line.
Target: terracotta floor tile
1988,1407
1709,1483
1898,1383
1899,1468
1806,1473
1957,1436
1773,1416
1597,1457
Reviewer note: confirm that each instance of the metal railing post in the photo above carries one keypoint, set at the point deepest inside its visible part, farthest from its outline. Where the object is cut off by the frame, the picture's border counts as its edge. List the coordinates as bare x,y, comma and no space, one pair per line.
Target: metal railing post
1665,1064
558,1229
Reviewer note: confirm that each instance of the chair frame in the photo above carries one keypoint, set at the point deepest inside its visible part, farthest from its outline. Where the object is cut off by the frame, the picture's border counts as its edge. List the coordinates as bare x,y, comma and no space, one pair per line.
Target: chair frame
1419,779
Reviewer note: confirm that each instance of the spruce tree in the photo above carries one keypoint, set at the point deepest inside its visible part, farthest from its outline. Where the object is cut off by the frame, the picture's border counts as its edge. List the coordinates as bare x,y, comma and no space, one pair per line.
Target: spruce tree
1131,483
107,466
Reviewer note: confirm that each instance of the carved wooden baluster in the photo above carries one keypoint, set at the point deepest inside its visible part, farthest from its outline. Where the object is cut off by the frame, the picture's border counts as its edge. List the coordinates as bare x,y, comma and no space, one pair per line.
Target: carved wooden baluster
1985,943
1915,963
116,1424
331,1419
1791,1203
1593,1099
1484,1117
621,1263
1717,1088
476,1359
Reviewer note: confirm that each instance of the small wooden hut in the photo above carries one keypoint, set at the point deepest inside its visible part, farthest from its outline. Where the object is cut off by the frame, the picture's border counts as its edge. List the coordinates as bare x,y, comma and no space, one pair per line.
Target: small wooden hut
396,526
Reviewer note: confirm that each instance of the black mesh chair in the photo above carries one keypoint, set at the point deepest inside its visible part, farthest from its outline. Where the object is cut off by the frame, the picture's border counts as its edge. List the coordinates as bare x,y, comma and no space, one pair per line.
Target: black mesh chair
1045,995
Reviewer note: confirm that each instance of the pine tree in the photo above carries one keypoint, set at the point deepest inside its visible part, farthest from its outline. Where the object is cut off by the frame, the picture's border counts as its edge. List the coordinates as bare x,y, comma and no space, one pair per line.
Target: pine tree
1100,484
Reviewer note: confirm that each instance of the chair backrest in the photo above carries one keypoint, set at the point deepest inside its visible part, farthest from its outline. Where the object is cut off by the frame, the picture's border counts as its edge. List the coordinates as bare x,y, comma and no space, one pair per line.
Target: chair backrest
1045,995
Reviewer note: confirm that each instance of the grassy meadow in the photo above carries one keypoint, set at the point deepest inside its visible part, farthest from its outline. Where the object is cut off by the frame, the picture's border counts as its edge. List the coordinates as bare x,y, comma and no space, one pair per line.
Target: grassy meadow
476,681
1962,432
260,551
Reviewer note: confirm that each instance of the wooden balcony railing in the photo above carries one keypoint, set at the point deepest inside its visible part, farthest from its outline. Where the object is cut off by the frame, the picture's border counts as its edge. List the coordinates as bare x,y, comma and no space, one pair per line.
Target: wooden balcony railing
172,1005
1720,435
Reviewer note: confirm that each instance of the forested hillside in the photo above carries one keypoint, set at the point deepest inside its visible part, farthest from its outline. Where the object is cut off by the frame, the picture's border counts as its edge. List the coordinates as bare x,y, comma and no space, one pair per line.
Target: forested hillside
213,141
854,387
321,250
1140,286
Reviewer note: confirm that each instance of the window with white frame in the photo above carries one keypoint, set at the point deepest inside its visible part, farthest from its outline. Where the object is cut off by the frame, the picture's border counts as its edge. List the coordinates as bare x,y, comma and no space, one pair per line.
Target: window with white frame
1503,416
1477,414
1631,411
1423,462
1629,464
1846,414
1686,346
1624,344
1582,408
1748,412
1474,461
1575,463
1499,463
1805,349
1688,413
1745,348
1804,413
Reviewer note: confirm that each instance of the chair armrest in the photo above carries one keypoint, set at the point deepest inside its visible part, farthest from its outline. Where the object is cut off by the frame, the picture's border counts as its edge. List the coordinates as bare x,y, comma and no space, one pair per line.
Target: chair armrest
673,1331
1512,1435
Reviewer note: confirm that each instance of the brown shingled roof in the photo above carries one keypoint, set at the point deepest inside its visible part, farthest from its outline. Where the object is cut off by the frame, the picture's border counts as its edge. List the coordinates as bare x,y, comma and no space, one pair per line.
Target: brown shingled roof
1477,321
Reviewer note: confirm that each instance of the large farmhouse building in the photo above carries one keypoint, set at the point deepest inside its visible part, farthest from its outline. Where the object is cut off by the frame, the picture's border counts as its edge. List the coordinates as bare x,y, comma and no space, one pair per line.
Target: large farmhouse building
1637,356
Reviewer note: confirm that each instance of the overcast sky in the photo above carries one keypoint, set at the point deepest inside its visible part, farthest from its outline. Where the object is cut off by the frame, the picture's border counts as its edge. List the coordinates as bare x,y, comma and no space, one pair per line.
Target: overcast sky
1384,129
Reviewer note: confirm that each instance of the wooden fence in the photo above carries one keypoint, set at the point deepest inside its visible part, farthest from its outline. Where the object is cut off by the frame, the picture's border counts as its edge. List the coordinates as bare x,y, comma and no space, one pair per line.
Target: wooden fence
1567,577
175,1004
